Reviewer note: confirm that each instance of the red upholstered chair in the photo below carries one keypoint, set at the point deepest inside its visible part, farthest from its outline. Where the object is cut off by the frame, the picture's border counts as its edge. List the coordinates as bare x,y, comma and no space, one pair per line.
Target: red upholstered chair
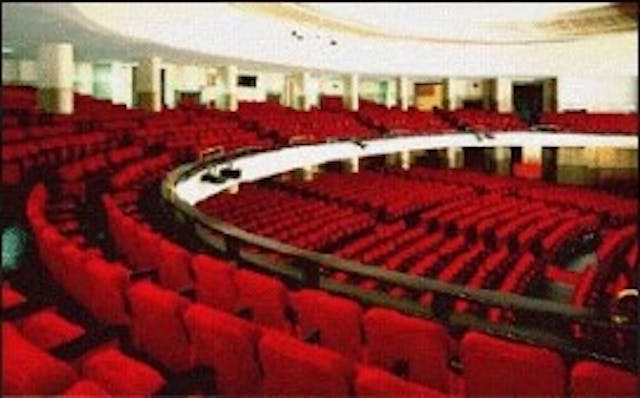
376,382
496,367
338,321
157,325
592,379
10,297
292,367
85,388
213,282
265,298
48,330
420,348
108,283
28,370
227,345
174,263
119,374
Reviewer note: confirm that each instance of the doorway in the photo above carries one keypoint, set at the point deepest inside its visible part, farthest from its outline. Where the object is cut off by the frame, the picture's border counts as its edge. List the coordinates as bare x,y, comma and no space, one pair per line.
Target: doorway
428,96
163,81
528,101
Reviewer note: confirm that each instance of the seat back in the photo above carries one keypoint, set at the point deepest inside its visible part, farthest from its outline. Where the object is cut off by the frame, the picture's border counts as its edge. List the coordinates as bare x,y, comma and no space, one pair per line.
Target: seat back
228,345
493,366
592,379
157,325
338,320
213,282
265,297
292,367
417,347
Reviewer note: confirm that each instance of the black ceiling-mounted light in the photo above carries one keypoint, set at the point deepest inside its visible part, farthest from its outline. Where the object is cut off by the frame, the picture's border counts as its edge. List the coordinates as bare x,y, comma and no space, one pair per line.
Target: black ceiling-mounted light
333,42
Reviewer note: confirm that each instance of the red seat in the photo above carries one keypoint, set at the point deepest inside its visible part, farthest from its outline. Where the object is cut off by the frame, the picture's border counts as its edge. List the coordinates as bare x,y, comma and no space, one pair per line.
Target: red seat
174,263
214,283
10,297
394,339
292,367
592,379
265,297
375,382
226,344
28,370
157,325
85,388
120,375
496,367
108,284
338,320
48,330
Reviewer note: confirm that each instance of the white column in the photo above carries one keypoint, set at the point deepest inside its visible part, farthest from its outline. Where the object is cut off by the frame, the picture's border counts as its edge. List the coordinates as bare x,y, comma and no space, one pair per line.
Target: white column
234,189
303,97
504,94
455,157
351,165
84,78
389,99
402,90
351,89
405,160
148,84
532,154
55,89
307,173
229,74
502,158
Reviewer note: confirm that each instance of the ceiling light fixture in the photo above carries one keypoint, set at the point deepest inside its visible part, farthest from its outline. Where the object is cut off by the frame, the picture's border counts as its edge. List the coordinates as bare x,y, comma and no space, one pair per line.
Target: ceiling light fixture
7,50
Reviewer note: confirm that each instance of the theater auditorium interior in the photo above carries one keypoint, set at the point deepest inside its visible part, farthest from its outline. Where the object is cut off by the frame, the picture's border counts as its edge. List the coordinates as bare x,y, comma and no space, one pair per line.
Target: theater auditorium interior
320,199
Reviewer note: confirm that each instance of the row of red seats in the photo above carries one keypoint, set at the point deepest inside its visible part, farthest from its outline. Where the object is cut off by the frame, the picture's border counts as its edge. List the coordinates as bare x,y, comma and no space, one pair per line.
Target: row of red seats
317,125
483,120
403,122
305,222
583,122
388,197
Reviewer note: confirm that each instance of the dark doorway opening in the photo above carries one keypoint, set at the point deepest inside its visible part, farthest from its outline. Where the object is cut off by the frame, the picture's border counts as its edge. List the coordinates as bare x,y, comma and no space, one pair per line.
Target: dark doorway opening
549,164
474,159
135,102
528,101
163,72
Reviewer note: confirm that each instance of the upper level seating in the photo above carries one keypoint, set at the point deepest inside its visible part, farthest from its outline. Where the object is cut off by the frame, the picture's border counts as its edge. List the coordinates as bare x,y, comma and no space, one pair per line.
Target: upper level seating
389,197
314,126
583,122
482,120
303,222
402,122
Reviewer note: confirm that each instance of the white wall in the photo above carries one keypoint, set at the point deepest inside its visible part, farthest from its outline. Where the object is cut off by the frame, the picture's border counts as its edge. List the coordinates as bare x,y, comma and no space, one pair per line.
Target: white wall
9,71
598,93
463,89
113,81
266,82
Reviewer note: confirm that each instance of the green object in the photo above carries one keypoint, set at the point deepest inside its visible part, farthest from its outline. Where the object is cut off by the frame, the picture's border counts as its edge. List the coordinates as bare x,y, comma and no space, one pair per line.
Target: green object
14,242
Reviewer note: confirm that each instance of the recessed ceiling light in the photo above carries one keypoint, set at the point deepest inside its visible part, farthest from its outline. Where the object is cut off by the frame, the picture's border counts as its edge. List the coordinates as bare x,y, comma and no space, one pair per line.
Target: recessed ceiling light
7,50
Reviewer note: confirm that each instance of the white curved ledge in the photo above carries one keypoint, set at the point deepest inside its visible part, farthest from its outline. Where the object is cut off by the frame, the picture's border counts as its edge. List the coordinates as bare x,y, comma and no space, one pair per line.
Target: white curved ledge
270,163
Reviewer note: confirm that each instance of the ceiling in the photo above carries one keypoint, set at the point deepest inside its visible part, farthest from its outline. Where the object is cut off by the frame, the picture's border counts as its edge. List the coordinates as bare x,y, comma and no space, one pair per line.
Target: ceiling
372,38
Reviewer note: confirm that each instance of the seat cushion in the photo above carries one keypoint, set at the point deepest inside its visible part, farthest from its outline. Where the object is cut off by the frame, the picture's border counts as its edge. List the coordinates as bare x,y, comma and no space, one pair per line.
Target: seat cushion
121,375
